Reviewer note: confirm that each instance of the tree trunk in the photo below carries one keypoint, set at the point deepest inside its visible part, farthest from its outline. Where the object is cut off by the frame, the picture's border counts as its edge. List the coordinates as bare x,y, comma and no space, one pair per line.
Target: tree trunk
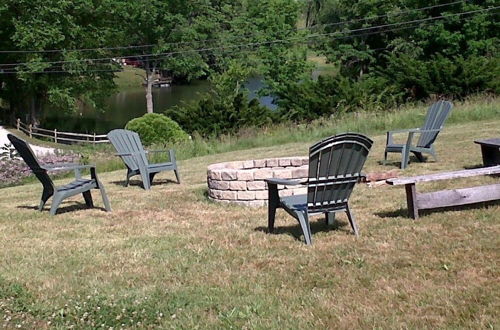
149,86
33,116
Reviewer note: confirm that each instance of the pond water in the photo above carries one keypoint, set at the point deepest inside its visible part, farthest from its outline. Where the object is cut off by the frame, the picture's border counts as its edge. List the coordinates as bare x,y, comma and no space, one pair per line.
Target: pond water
131,103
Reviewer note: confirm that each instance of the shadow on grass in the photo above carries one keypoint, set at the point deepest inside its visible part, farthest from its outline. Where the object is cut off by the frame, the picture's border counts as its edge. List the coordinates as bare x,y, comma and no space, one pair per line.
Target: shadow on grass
413,159
75,206
317,226
472,167
403,212
138,183
393,214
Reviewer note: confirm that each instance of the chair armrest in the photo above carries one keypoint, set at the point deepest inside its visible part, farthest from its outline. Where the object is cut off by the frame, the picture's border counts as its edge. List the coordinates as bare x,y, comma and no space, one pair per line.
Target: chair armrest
391,133
411,132
406,130
66,167
71,167
171,154
120,154
285,182
428,130
151,151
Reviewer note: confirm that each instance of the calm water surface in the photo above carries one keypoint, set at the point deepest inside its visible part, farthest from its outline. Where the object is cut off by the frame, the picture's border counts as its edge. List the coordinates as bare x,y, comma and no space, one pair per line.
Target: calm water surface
131,103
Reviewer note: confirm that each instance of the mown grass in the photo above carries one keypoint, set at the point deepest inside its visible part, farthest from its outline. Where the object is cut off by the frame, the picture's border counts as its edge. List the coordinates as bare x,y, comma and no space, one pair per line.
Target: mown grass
129,77
368,122
169,258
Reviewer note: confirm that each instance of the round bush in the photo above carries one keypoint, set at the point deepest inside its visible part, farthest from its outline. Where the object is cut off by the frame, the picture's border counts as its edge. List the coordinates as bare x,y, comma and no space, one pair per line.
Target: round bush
157,128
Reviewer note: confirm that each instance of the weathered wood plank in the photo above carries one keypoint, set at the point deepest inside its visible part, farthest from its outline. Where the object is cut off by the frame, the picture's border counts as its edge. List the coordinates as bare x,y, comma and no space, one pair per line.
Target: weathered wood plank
411,200
455,197
445,175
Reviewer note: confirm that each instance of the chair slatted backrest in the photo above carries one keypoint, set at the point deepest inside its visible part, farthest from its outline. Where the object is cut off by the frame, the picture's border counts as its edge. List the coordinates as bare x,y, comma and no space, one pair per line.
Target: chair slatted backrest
126,141
436,116
31,160
334,168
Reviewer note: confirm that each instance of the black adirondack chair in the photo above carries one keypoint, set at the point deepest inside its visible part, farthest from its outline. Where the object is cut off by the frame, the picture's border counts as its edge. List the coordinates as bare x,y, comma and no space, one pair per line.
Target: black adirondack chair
129,147
436,116
59,193
334,168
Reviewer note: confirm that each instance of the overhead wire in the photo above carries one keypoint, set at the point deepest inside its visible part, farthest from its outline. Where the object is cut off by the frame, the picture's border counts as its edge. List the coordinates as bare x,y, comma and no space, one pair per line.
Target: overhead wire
393,27
356,20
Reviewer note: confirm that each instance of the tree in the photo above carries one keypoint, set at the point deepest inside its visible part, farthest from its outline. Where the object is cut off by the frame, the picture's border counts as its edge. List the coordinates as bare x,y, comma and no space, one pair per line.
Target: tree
170,28
461,39
50,72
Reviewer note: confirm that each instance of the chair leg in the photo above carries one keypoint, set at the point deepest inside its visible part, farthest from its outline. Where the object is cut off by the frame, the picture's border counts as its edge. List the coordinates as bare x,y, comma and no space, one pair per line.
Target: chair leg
178,176
433,153
43,200
88,198
151,177
385,157
104,197
127,181
405,158
56,200
272,205
350,216
145,181
419,156
306,228
330,218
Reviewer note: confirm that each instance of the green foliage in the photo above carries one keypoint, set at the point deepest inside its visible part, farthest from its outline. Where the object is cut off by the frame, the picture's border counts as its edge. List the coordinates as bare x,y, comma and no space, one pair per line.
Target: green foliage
156,128
333,95
225,109
53,25
456,55
439,75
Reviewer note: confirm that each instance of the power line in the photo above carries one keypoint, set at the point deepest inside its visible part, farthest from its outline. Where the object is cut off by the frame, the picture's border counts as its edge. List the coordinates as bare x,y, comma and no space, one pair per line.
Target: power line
204,41
357,20
13,71
273,42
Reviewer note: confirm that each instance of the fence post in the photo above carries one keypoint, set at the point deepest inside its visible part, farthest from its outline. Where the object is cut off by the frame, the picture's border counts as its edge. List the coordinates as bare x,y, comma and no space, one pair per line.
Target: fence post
31,130
18,124
94,138
55,135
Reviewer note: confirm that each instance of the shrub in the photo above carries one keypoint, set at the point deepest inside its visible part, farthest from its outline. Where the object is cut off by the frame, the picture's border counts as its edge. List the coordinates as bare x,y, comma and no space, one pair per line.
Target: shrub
214,115
309,100
457,76
154,128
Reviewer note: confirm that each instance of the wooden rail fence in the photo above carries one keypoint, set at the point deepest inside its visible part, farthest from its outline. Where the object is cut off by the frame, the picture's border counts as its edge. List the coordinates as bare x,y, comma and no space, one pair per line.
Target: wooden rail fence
60,137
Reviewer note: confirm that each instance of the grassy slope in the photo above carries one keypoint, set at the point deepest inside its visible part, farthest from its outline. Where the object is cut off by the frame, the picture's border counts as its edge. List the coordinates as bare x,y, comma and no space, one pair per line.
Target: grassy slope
129,77
169,257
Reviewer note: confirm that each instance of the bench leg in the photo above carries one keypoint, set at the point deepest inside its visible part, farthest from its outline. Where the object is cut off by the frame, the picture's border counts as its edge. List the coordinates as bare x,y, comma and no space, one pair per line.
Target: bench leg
411,200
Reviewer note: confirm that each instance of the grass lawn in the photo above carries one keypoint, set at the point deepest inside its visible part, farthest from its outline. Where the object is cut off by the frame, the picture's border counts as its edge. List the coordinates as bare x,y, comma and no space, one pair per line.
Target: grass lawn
129,77
170,258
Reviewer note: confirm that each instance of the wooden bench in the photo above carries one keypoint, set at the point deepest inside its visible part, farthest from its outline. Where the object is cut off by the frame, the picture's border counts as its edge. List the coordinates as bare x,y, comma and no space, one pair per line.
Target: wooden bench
445,198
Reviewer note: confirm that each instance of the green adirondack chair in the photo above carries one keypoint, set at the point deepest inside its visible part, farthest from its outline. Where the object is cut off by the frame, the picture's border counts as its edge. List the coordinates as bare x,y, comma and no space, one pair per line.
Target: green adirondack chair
129,147
59,193
334,168
434,121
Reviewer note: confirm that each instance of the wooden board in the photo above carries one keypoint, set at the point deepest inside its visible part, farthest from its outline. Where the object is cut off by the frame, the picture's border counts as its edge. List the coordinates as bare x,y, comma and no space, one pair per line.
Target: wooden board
495,142
455,197
445,175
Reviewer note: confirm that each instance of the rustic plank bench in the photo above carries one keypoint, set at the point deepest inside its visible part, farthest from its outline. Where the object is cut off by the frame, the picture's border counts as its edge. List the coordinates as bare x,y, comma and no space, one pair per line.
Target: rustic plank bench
490,149
445,198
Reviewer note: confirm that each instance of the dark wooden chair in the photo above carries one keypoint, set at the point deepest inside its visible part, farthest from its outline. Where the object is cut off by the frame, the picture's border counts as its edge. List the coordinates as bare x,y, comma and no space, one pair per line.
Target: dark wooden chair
59,193
129,147
436,116
334,168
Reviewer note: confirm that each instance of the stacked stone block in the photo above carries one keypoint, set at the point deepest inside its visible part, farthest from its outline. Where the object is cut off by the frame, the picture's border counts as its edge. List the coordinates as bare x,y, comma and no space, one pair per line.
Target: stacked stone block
242,182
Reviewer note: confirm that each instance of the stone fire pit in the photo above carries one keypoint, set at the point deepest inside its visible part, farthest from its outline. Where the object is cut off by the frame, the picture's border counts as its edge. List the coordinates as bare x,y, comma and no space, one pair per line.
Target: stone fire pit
242,182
